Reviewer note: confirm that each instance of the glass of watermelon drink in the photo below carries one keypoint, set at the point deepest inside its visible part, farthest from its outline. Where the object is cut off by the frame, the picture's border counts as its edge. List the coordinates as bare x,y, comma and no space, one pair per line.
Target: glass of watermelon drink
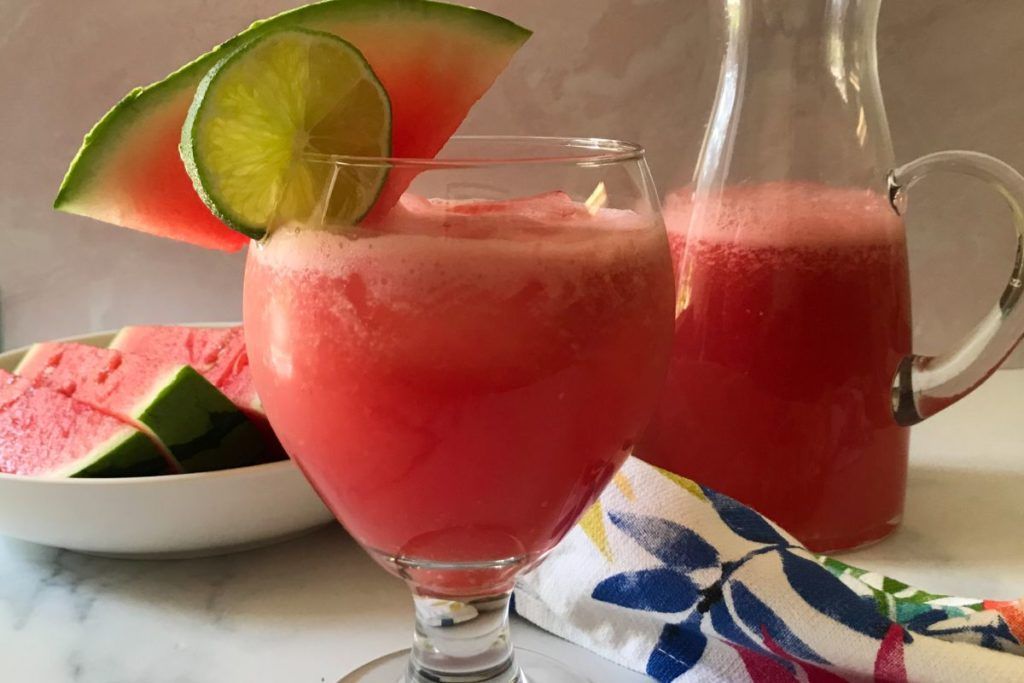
461,376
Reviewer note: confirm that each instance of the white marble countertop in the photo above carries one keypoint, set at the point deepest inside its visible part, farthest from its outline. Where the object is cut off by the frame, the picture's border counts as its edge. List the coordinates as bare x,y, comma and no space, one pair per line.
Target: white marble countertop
315,608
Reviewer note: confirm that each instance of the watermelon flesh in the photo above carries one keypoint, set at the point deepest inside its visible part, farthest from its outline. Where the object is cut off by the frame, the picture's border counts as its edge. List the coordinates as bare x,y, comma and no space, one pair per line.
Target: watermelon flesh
434,59
210,350
237,384
200,428
216,353
44,433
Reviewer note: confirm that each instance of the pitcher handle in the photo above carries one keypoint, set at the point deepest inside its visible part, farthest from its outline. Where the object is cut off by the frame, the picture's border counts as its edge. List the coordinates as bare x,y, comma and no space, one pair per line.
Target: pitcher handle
924,385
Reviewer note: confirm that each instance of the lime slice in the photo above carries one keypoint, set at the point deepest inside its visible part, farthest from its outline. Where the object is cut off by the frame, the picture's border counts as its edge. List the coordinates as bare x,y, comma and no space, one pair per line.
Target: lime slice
260,112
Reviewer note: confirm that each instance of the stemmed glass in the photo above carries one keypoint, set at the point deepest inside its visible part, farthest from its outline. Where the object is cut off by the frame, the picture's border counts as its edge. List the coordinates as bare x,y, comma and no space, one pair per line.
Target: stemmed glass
460,372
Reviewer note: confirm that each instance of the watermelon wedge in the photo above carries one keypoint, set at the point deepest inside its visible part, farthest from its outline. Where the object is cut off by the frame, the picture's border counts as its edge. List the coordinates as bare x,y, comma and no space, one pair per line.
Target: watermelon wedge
44,433
435,61
200,428
216,353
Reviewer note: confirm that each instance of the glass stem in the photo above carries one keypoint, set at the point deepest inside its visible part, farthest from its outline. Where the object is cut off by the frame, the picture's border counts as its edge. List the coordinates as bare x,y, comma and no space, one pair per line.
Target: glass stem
463,641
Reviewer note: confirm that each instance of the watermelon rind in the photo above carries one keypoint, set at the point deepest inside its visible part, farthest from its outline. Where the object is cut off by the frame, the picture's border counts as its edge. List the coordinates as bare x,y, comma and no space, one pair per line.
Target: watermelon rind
118,340
191,155
129,453
203,429
82,190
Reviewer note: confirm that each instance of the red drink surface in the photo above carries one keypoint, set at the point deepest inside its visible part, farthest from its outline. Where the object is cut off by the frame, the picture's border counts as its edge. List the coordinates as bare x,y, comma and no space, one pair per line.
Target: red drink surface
795,312
460,386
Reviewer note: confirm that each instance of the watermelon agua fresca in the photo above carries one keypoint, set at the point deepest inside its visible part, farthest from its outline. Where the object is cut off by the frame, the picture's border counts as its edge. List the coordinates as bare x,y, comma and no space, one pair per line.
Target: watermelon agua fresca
44,433
435,61
199,427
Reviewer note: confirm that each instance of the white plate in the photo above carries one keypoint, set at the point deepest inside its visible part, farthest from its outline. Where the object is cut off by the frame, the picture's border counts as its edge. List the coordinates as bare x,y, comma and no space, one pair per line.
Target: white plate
183,515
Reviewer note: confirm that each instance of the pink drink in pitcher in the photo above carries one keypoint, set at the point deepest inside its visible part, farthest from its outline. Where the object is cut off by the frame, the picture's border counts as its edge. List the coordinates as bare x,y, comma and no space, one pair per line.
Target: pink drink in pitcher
793,315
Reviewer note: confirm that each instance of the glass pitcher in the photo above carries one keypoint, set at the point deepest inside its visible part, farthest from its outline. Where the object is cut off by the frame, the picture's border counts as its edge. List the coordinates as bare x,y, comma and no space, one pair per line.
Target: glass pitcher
793,380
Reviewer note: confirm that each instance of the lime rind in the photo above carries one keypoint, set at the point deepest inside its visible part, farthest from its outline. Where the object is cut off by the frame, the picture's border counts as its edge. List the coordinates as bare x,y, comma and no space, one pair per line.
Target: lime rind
261,108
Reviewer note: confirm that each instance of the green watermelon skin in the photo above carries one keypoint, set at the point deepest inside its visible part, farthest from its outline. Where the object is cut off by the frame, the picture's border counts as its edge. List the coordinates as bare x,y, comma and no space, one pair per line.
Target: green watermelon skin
46,434
435,60
200,428
134,456
203,429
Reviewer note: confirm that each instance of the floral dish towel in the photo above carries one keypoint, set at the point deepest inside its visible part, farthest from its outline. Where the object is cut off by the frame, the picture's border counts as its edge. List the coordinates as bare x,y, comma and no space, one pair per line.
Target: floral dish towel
674,580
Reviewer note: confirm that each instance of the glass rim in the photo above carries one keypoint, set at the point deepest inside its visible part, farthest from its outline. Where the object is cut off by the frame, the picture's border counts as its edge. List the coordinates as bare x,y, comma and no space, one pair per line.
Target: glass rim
575,151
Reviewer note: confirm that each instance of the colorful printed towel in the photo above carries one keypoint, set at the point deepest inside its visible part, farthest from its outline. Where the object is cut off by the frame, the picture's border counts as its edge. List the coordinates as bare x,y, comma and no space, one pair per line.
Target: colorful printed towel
674,580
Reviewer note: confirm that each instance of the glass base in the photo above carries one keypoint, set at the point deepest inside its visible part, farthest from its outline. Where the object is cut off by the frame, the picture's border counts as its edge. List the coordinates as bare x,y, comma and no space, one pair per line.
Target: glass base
863,540
535,668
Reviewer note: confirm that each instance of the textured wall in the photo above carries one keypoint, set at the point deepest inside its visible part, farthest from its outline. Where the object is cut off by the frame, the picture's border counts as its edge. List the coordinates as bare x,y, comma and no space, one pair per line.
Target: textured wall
628,68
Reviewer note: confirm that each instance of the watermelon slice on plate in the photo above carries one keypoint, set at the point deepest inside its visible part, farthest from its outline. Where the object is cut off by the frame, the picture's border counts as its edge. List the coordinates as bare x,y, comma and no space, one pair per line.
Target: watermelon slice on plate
216,353
44,433
435,61
200,428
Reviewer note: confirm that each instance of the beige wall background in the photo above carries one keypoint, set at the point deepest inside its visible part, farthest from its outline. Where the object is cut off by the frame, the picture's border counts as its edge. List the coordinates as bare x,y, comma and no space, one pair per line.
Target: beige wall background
638,69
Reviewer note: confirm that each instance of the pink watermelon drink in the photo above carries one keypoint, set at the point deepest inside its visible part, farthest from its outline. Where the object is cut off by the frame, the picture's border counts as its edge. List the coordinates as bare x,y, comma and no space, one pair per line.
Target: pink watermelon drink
795,314
44,433
457,378
460,385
